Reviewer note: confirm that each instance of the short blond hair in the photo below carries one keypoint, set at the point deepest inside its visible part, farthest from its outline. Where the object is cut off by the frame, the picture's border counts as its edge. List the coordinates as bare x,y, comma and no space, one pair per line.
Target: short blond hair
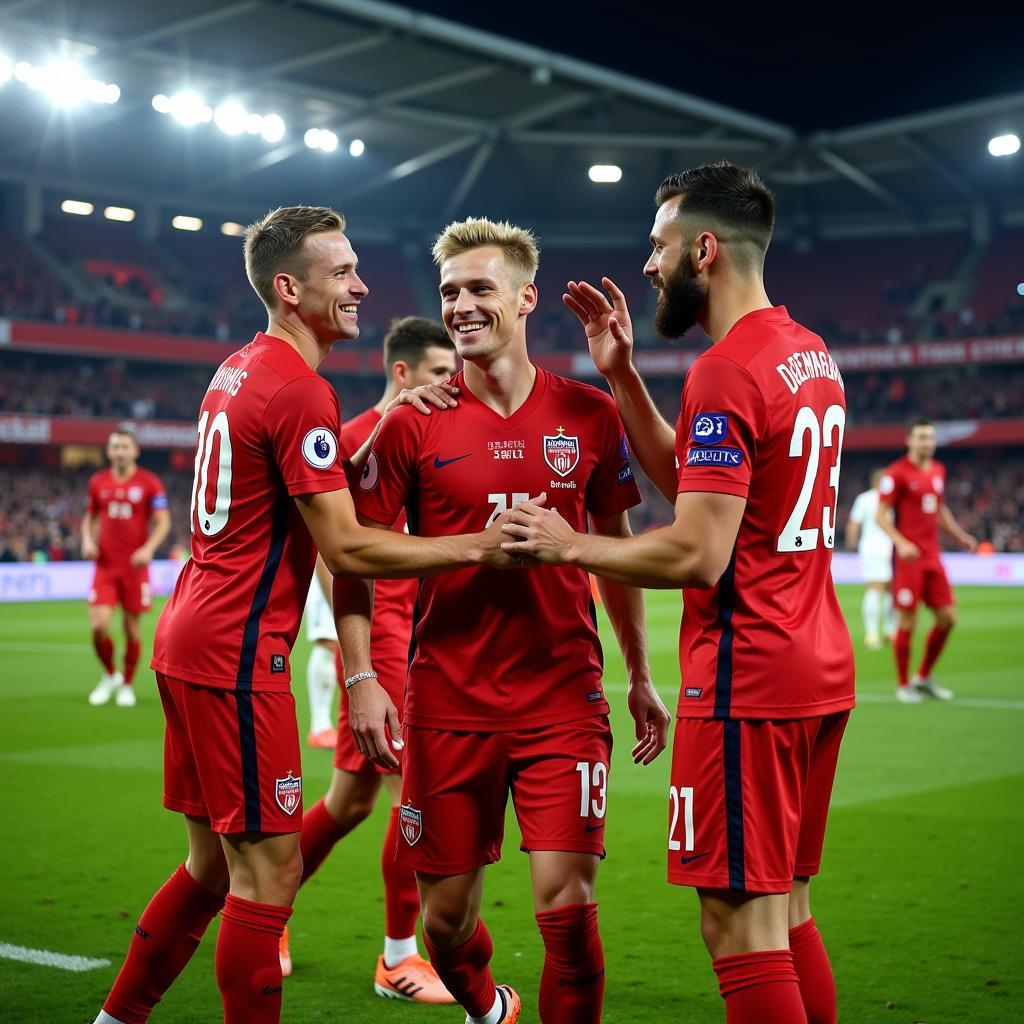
275,243
518,244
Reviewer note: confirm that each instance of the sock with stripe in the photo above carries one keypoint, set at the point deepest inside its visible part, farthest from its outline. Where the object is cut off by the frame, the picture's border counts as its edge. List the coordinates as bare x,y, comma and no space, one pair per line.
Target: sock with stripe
465,971
932,649
104,650
572,983
131,659
247,961
319,834
760,988
401,899
165,938
901,650
817,984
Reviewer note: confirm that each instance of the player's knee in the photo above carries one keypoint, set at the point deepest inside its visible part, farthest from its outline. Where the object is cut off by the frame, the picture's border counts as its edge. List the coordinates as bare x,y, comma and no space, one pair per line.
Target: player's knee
945,619
714,929
211,872
348,809
565,892
447,926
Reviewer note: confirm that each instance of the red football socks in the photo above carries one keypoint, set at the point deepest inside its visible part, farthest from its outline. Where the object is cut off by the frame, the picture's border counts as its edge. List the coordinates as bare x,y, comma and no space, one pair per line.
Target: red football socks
817,984
932,649
760,988
104,650
572,984
165,938
464,970
901,648
319,834
248,965
131,659
401,897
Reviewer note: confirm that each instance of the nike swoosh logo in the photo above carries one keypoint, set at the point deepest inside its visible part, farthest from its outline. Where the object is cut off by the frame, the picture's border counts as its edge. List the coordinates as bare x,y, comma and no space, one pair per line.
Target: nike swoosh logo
696,856
594,828
440,463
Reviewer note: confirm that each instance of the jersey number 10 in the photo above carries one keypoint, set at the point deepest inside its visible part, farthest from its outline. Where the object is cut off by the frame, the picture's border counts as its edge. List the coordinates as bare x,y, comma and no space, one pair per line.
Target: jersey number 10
826,434
211,521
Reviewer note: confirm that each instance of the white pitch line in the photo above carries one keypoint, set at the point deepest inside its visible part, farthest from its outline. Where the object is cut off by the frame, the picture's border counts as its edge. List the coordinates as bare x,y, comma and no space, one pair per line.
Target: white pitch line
46,958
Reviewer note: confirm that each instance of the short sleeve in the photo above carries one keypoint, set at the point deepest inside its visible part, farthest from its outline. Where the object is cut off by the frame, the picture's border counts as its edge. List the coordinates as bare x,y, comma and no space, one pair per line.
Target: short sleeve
302,422
157,495
94,498
389,474
612,488
888,487
722,423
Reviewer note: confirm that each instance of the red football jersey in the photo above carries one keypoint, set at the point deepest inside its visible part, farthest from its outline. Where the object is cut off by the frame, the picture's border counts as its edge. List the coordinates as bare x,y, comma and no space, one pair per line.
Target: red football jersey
393,600
501,650
915,496
124,508
268,428
763,414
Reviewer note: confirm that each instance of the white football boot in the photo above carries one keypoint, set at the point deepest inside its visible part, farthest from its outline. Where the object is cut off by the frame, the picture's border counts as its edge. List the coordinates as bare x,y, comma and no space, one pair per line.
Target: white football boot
927,686
104,689
125,697
908,695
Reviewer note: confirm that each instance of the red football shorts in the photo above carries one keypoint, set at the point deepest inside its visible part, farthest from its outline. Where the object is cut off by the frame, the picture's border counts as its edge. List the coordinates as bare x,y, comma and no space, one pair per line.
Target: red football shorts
456,786
231,756
391,668
126,585
920,579
748,800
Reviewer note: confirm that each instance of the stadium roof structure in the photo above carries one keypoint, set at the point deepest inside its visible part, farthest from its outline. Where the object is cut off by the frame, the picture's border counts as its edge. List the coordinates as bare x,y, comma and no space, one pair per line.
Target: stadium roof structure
455,121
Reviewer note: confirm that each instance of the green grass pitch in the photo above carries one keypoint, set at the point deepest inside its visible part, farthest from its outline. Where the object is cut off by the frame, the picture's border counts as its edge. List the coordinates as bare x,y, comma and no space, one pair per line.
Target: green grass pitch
920,897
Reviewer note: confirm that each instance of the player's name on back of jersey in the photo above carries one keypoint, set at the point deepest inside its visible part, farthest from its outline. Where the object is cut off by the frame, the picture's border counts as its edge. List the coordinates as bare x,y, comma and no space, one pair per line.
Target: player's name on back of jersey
229,379
810,364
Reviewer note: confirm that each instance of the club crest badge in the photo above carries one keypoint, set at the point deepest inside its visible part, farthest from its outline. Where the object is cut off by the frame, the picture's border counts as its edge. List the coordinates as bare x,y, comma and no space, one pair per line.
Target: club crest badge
288,793
135,495
410,822
561,453
320,448
709,428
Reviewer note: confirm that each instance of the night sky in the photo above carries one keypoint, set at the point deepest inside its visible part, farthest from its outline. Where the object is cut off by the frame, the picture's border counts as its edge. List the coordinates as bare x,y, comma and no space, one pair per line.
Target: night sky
820,67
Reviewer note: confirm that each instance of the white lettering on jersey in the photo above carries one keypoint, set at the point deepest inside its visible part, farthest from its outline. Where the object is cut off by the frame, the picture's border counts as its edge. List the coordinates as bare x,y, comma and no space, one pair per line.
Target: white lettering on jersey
800,367
229,379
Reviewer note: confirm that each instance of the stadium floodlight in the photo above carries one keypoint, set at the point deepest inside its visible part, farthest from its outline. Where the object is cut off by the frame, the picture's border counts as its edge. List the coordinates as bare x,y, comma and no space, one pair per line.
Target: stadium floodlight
273,128
6,68
161,103
121,213
321,138
312,138
605,174
356,147
253,124
1020,288
189,109
1004,145
76,206
230,118
183,223
230,227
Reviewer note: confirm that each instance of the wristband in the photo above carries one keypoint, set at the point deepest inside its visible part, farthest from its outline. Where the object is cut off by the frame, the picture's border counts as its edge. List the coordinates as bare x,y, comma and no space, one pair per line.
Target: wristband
358,677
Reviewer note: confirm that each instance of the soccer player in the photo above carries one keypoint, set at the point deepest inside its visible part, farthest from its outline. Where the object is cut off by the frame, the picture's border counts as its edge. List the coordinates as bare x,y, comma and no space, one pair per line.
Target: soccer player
875,550
766,660
268,492
417,352
504,689
912,508
321,673
125,522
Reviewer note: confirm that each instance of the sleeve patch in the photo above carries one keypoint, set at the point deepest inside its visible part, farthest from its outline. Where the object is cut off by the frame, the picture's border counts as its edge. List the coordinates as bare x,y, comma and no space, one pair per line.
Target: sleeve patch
709,428
371,473
320,448
159,501
886,485
725,458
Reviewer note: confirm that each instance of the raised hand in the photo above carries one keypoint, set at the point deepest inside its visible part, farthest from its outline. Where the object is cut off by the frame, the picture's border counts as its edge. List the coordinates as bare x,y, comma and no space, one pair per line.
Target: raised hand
605,319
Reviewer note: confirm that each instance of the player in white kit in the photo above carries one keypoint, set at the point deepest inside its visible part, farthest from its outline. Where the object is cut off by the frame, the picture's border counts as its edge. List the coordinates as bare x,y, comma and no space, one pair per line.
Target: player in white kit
321,674
875,550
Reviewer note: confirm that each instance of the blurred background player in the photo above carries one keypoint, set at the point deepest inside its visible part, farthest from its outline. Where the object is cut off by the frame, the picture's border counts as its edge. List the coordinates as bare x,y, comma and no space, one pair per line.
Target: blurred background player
874,546
417,351
912,509
125,522
321,670
504,690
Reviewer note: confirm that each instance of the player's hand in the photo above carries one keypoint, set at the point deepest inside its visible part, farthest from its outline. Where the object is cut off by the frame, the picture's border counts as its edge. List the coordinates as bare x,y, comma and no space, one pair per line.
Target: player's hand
90,551
651,718
374,722
440,396
539,532
494,551
140,557
971,543
607,323
907,550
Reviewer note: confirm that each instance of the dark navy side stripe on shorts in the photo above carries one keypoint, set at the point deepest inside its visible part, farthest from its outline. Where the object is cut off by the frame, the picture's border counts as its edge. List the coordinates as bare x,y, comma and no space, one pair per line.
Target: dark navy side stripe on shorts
733,802
723,671
246,661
